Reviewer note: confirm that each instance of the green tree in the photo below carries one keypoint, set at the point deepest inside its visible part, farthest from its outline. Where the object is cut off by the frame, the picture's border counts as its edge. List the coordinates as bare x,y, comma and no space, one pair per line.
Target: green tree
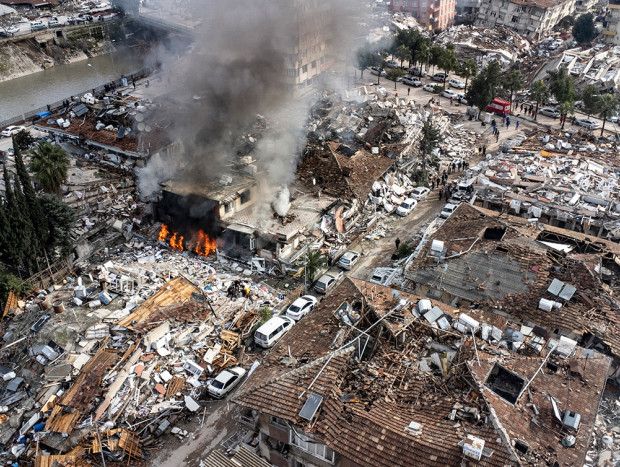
448,61
34,212
435,56
591,100
422,52
403,53
380,60
5,234
562,85
428,142
394,74
483,87
23,140
365,58
314,262
13,250
10,283
584,30
566,108
512,82
467,70
608,107
50,164
61,218
540,93
28,242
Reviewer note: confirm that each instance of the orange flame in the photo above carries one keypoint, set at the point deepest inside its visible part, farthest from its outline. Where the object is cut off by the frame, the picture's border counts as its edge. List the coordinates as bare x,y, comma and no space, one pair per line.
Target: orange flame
204,245
163,233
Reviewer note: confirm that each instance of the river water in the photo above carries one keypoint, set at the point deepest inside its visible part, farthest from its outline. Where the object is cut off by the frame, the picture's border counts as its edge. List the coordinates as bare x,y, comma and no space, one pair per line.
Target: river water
22,95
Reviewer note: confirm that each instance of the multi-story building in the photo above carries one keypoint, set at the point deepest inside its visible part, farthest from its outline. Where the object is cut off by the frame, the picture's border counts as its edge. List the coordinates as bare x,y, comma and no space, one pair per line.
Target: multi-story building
432,14
467,9
611,31
532,19
312,51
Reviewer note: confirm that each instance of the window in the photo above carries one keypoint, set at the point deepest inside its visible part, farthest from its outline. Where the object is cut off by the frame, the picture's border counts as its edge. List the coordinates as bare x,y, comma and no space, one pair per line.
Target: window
304,69
228,207
322,60
424,4
316,449
515,19
313,64
279,421
245,196
292,72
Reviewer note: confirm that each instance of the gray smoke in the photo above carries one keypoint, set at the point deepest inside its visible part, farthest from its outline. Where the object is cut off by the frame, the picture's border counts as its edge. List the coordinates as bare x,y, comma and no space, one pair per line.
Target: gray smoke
237,70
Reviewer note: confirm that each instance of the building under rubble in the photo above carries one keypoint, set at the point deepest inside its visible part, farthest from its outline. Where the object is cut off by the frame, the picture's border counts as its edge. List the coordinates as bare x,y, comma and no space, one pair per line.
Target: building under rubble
380,377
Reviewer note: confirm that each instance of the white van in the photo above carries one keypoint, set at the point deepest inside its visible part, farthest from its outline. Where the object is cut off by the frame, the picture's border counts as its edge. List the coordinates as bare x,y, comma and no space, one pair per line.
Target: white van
271,332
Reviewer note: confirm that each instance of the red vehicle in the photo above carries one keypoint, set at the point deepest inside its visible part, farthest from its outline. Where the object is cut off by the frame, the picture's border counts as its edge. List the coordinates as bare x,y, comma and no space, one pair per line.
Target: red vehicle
499,106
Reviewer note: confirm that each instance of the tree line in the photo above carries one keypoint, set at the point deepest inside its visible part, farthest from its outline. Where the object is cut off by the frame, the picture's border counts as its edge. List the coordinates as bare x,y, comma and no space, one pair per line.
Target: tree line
34,230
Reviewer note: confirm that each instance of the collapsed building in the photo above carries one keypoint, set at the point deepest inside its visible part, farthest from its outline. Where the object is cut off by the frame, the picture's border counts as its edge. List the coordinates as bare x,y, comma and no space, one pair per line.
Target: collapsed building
380,377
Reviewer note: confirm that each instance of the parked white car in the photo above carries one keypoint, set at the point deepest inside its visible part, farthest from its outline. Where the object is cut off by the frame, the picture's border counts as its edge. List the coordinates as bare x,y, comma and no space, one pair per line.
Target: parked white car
348,259
272,331
12,130
447,210
456,83
449,94
549,112
392,64
589,124
301,307
375,70
223,383
406,207
430,87
412,81
420,192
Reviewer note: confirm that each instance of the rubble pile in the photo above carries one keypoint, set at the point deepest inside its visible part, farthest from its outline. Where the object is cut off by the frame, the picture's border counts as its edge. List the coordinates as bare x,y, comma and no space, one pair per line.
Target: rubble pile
555,177
478,43
120,354
605,443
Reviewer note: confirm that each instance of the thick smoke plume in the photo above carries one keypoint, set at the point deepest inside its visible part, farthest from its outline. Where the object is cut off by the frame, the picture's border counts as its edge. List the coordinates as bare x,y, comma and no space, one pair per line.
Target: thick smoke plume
236,71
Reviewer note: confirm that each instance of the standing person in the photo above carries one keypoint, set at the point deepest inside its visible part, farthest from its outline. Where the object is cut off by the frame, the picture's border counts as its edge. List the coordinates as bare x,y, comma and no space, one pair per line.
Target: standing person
408,91
517,125
484,151
397,241
497,137
433,185
451,101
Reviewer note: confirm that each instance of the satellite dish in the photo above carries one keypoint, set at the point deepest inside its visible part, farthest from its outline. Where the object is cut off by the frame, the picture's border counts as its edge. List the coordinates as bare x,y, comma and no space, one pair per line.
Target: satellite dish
588,353
395,293
139,117
141,126
147,128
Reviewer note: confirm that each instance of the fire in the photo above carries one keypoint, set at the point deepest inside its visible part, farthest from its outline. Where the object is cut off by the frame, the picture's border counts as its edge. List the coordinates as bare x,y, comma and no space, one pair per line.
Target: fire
204,245
163,233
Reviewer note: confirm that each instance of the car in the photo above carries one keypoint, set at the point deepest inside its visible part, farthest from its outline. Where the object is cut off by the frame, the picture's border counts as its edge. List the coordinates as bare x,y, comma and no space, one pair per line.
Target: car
12,30
348,259
417,71
301,307
460,97
382,91
53,22
223,383
392,64
549,112
86,18
589,124
552,101
456,83
272,331
412,81
447,210
419,193
614,118
430,87
36,327
76,20
406,207
12,130
326,282
441,77
449,94
375,70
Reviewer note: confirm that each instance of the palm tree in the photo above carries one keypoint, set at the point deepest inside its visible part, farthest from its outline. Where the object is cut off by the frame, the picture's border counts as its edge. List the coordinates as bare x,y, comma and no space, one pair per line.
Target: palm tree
540,93
565,108
403,54
448,60
50,164
468,69
314,262
394,74
608,106
513,81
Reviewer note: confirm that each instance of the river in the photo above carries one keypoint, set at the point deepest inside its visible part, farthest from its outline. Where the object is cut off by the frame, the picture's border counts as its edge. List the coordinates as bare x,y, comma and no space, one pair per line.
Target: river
21,95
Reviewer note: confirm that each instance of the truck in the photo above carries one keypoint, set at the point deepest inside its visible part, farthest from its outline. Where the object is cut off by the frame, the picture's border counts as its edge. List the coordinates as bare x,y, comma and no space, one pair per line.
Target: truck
499,106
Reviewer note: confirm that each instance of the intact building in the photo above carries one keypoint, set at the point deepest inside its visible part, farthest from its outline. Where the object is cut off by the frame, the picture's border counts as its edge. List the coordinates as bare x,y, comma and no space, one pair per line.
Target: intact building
612,24
532,19
432,14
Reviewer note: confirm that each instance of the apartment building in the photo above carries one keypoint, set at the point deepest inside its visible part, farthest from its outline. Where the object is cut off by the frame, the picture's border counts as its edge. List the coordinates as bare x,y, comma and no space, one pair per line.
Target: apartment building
467,9
312,51
432,14
532,19
611,31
